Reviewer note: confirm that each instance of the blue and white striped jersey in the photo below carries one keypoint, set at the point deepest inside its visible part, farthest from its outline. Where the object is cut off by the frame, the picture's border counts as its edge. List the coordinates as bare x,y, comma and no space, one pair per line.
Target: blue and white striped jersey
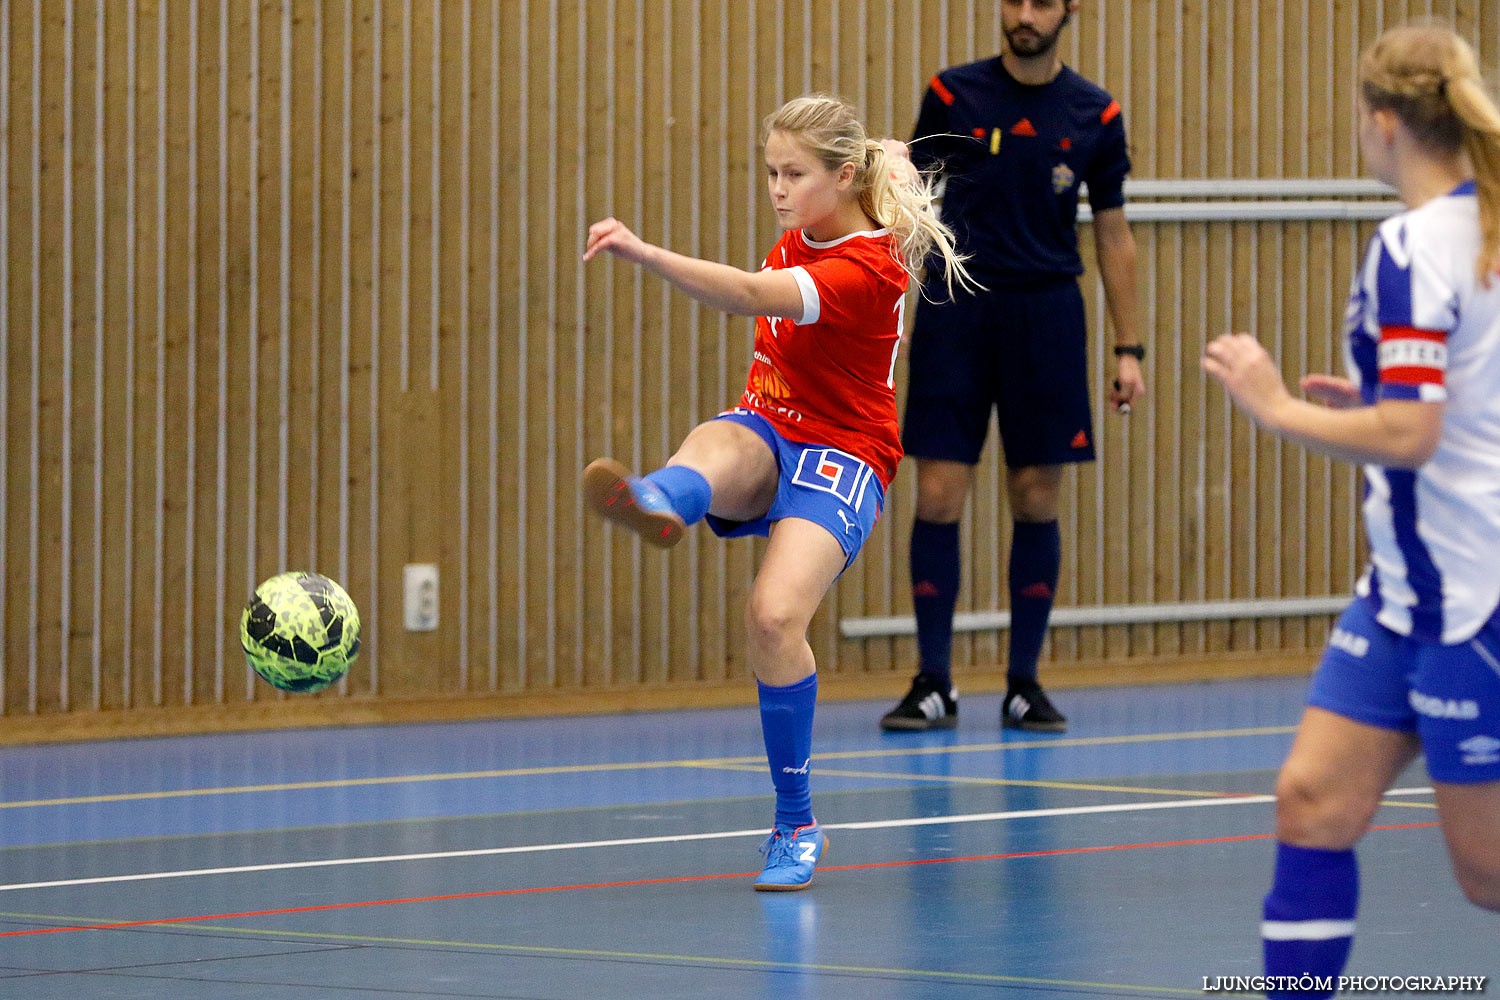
1421,326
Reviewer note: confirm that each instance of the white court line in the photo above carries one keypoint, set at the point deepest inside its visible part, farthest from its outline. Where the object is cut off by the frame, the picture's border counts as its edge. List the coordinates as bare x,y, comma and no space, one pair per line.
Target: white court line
883,824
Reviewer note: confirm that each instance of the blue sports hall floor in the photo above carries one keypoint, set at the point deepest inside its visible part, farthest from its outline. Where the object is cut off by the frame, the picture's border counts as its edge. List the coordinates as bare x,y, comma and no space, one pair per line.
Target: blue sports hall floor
606,857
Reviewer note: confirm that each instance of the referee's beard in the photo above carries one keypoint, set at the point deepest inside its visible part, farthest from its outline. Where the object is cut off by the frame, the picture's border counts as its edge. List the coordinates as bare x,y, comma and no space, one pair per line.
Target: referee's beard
1033,43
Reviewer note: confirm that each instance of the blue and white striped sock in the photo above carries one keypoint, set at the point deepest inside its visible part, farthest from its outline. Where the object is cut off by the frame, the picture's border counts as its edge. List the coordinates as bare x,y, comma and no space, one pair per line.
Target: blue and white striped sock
1309,916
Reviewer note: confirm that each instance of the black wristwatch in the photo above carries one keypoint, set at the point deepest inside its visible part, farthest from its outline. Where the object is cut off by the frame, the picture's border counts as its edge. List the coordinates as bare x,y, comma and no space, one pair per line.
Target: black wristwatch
1137,351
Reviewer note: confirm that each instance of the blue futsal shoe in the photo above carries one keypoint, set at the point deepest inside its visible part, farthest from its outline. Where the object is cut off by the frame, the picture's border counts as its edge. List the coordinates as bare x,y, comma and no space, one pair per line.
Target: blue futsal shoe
791,857
631,502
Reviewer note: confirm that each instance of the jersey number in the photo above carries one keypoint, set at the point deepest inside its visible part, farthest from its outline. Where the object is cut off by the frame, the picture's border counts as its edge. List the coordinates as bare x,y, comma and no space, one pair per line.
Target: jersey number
890,379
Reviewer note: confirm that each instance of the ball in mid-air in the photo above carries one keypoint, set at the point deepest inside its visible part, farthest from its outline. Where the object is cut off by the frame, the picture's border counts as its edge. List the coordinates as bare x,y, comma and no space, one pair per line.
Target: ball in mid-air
300,631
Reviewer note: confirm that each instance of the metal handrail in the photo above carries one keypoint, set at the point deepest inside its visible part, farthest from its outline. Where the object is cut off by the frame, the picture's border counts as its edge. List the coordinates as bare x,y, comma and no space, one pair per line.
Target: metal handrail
1109,614
1252,199
1256,187
1253,211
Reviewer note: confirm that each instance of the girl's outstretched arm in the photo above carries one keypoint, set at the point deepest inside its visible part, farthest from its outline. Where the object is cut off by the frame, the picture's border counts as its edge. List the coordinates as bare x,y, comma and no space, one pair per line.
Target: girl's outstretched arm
1394,432
727,288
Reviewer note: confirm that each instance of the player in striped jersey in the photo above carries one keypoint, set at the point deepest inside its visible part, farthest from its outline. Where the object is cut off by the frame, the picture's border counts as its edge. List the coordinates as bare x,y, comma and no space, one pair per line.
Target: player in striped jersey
806,456
1414,663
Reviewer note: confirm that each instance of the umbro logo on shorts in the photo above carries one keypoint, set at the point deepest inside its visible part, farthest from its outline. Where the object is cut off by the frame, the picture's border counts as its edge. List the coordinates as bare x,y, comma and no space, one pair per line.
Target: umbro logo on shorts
1480,749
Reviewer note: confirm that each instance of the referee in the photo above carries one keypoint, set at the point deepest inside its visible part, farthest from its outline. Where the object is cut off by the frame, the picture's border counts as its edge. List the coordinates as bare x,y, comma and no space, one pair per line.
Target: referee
1014,138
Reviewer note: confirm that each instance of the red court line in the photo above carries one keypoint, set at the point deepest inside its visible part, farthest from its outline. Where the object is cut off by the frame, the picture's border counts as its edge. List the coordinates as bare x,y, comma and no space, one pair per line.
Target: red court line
664,881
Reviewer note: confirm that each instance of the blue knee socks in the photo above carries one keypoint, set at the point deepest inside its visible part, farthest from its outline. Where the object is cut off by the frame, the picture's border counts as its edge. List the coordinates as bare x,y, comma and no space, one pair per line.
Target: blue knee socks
1309,916
786,723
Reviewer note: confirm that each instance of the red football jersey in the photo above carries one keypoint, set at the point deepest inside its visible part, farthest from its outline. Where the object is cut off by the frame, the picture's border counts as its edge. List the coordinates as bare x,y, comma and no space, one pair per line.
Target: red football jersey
828,377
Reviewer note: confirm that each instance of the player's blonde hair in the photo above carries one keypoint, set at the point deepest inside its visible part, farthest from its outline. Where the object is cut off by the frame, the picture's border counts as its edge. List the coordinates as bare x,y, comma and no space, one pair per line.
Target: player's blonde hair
1428,77
831,129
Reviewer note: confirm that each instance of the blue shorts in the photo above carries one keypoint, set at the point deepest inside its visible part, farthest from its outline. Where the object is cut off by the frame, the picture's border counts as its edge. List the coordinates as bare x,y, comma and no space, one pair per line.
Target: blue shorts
1019,351
1449,696
823,485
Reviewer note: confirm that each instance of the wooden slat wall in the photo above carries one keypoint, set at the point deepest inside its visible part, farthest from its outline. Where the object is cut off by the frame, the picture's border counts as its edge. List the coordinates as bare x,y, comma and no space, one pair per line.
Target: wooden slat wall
298,285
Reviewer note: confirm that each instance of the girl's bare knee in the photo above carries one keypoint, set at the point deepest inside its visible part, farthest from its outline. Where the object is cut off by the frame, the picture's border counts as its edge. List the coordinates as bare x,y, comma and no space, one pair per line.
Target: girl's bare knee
769,624
1481,888
1314,812
1477,869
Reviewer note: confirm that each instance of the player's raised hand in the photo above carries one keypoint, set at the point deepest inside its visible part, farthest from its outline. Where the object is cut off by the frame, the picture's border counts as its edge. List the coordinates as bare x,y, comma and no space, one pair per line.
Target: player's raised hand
613,235
1248,373
1331,390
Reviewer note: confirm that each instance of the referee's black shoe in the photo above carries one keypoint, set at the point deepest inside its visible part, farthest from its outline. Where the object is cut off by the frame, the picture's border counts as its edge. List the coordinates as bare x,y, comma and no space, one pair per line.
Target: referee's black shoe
926,706
1029,708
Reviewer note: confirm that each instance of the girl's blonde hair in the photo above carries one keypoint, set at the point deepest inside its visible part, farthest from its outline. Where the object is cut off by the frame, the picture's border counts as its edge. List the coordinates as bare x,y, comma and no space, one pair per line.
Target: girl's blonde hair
1428,77
831,130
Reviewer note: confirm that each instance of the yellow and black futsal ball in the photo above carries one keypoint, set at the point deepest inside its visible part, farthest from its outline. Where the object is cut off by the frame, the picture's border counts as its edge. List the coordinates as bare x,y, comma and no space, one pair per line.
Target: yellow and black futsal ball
300,631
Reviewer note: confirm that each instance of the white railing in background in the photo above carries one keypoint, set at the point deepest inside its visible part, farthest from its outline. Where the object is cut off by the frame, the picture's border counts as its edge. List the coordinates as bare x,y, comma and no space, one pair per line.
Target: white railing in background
1331,199
1109,614
1253,200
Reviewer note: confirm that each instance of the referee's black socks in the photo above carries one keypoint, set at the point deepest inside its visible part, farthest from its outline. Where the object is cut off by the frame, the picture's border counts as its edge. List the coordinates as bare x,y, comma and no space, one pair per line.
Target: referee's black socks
1035,554
934,589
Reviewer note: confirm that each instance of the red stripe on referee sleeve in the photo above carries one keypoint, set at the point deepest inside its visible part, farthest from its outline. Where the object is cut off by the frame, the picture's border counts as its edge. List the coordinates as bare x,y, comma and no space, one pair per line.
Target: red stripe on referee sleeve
943,92
1411,376
1412,333
1109,113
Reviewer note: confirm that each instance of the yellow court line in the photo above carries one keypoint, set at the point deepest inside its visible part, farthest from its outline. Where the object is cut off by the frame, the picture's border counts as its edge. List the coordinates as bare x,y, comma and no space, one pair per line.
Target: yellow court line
395,779
1024,783
394,821
1409,805
1053,744
750,963
643,766
959,779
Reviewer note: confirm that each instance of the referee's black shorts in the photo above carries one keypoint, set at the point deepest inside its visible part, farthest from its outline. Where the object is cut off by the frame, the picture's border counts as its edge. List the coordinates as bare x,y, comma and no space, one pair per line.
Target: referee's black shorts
1019,350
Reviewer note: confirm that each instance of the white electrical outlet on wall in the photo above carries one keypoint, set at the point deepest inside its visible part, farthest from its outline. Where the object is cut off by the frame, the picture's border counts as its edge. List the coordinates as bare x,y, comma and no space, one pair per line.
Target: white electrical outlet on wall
419,608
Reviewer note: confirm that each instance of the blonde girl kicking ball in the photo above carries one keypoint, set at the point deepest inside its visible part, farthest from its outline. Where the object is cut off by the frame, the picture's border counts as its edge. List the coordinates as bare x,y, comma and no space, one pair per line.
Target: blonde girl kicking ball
807,454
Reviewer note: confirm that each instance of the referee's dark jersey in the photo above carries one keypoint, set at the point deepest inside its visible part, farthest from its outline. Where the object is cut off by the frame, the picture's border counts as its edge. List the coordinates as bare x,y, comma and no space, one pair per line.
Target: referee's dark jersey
1014,156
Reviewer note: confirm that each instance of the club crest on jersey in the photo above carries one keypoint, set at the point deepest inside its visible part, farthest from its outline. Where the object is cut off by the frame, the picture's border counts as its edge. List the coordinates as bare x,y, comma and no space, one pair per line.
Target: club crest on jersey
767,382
1062,178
